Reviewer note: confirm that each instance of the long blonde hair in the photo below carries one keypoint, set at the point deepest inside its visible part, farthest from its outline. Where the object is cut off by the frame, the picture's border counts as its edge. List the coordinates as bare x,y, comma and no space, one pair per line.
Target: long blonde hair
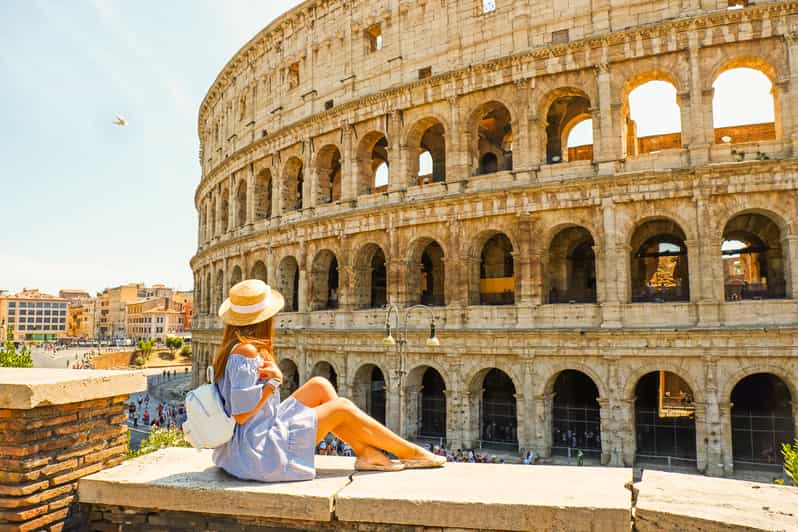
259,334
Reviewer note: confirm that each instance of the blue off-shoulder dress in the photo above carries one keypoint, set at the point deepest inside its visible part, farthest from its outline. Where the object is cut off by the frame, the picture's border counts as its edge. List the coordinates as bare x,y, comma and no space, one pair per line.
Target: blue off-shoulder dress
277,443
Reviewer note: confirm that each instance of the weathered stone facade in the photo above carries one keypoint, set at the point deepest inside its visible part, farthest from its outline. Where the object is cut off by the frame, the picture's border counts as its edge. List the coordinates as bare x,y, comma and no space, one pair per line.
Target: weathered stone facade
294,132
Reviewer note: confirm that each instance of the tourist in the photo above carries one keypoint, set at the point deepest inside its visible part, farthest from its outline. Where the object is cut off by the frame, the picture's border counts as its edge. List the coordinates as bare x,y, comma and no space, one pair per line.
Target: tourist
249,378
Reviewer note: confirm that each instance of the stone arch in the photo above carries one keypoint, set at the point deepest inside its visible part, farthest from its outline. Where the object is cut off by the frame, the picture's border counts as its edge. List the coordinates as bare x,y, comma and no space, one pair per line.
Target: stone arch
324,281
491,137
263,195
329,176
370,277
571,267
259,271
659,266
219,290
293,181
575,420
426,272
492,268
372,151
754,260
546,387
427,135
291,377
567,107
426,404
743,132
494,409
369,390
786,376
288,282
241,203
325,369
236,275
632,143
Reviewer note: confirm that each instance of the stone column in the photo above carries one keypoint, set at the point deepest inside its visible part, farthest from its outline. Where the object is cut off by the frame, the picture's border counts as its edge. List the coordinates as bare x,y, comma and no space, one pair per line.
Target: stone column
251,196
397,154
277,193
308,177
521,147
610,133
701,134
57,426
789,250
613,270
349,169
393,409
456,148
302,299
458,418
544,405
786,99
709,425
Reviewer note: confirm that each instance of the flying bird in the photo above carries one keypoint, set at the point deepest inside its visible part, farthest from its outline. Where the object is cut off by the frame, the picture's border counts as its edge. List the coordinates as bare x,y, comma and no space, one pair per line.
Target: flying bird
120,120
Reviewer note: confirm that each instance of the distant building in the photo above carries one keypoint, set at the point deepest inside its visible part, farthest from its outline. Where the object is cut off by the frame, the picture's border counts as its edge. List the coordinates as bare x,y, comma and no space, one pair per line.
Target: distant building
35,316
187,299
155,318
111,310
81,314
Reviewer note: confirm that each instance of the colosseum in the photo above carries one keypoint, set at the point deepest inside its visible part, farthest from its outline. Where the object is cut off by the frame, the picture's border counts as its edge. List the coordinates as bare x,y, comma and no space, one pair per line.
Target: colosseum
422,156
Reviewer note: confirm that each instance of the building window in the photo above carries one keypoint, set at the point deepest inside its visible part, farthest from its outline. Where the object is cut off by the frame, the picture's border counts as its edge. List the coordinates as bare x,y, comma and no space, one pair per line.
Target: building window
374,37
328,105
425,72
737,4
560,37
293,76
488,6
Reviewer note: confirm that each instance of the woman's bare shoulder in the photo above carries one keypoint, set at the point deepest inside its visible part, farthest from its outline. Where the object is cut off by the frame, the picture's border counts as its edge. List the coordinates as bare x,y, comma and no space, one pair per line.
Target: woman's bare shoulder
247,350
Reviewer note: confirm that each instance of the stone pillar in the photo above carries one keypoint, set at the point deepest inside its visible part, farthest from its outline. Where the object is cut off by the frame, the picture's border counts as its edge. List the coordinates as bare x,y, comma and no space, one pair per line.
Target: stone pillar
786,96
308,177
613,270
544,418
398,178
610,134
700,134
458,418
302,299
217,230
393,409
789,250
349,169
57,426
251,197
277,193
456,148
709,424
521,147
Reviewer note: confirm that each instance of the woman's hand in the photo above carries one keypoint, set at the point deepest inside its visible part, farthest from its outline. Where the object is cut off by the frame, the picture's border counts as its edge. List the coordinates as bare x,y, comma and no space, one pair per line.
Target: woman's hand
270,370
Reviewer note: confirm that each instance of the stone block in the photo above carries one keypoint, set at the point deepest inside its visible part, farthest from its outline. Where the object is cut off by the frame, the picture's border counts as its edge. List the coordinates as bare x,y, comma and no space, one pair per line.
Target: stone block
492,497
32,387
673,501
181,479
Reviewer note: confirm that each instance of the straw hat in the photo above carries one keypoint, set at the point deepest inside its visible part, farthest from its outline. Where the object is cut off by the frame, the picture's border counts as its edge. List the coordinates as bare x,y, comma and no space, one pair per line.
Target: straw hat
250,301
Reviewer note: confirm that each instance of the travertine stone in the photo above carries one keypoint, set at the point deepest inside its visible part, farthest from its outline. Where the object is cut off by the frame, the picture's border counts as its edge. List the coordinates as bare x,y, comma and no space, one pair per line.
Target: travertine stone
492,497
672,501
180,479
35,387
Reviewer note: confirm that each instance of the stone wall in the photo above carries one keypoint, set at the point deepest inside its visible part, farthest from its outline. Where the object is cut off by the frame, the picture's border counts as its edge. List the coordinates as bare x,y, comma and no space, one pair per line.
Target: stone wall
112,360
55,429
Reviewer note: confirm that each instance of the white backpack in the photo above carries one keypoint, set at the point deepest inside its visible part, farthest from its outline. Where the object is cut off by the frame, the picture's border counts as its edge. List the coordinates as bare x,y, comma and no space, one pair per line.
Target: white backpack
207,425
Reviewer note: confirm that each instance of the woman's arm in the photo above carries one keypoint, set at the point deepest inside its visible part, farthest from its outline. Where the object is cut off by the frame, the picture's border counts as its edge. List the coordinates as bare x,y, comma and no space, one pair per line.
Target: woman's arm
249,351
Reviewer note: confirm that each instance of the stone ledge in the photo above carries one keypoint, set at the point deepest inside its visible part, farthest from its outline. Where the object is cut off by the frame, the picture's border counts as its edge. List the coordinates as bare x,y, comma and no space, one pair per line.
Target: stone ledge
459,496
23,389
673,501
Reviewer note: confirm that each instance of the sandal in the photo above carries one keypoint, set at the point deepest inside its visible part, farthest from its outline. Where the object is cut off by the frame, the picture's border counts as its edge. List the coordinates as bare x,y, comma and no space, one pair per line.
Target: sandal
362,465
421,463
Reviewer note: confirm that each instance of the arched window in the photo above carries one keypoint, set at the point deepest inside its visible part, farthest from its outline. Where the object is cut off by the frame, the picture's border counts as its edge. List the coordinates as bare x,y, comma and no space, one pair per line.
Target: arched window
493,130
498,422
241,204
263,195
371,278
753,263
426,405
225,210
293,180
324,281
564,115
369,391
496,272
576,420
752,121
426,139
236,276
653,119
288,283
571,275
659,263
372,161
328,168
259,272
381,177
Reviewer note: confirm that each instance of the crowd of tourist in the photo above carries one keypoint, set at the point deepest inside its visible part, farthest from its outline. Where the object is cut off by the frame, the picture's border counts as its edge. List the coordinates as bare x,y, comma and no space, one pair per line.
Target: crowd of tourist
166,416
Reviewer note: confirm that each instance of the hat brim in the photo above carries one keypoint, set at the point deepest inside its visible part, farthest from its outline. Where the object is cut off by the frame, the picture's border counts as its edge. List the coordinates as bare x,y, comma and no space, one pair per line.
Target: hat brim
274,304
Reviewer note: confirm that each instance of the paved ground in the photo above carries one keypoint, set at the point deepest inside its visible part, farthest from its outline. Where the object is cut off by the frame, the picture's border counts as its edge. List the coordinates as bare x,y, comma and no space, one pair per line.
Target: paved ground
160,389
66,357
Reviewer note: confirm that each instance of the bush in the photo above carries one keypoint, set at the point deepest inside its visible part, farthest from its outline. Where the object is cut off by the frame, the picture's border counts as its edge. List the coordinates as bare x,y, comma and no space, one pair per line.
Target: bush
186,351
790,453
139,361
10,357
159,439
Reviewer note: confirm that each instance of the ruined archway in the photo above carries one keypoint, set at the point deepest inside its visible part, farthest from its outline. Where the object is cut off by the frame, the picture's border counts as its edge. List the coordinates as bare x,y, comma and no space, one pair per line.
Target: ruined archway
426,273
290,378
571,272
427,146
753,261
493,138
371,278
576,419
761,421
369,391
497,411
496,273
263,195
293,181
426,405
236,276
259,272
372,163
328,172
326,370
644,130
664,420
241,204
564,114
659,266
324,281
288,283
225,214
754,121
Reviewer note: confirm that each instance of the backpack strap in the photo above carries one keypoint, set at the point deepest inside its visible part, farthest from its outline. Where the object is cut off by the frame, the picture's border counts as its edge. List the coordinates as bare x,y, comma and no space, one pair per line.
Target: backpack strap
209,374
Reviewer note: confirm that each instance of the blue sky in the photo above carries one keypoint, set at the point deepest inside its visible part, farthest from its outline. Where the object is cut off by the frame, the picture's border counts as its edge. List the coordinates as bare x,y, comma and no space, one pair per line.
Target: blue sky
87,204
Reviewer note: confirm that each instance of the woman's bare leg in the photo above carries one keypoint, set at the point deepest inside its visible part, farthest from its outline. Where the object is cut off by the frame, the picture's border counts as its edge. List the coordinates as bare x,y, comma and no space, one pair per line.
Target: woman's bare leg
340,416
315,392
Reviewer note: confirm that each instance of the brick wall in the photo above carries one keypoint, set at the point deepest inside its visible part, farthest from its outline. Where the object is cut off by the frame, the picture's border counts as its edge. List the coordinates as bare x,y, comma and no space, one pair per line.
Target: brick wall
43,453
112,360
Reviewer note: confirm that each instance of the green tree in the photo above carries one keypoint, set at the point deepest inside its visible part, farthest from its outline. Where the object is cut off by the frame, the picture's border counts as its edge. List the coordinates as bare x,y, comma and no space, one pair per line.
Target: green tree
145,348
173,343
790,453
186,351
10,357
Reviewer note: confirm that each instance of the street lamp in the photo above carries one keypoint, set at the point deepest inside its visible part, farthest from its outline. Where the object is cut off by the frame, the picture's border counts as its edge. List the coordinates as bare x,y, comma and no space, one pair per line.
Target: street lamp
401,345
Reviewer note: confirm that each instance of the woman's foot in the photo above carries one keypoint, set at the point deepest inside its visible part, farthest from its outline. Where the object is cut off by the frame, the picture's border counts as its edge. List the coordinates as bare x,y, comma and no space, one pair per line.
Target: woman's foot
371,459
423,459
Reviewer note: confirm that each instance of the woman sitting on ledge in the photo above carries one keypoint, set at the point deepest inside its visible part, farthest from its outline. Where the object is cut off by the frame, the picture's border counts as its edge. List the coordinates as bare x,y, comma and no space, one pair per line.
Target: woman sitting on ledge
274,441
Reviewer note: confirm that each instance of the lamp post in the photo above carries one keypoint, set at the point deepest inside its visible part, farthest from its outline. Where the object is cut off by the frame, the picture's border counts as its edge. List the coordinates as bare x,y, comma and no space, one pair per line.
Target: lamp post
400,342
